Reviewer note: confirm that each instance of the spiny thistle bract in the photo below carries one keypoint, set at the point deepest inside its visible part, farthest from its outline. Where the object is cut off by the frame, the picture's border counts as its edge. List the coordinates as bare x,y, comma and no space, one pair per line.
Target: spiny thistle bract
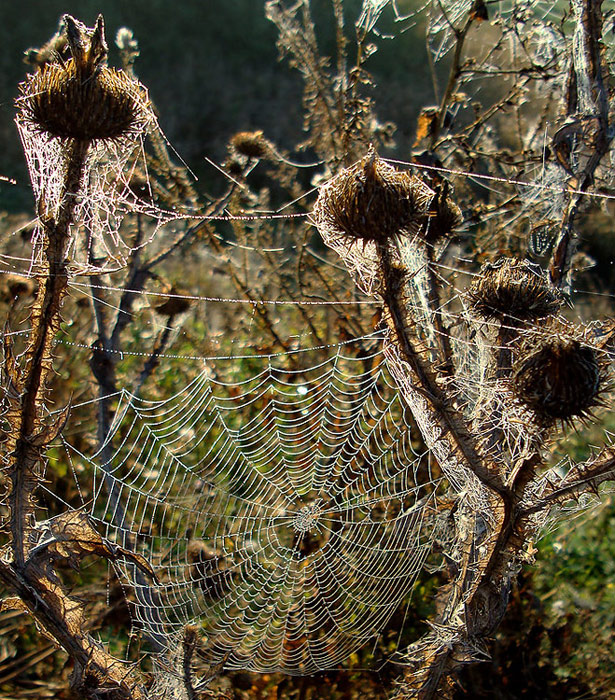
560,379
513,289
82,98
372,201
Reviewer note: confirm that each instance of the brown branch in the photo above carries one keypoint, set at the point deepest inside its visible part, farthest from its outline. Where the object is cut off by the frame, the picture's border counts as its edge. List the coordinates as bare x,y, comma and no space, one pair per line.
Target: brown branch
24,451
580,479
587,101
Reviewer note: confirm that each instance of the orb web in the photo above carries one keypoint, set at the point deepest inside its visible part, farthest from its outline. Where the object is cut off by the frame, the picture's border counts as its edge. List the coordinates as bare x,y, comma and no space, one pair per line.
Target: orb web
286,514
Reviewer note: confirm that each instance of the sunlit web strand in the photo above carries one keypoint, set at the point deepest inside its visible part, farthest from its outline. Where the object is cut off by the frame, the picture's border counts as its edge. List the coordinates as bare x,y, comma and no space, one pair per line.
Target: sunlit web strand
131,353
502,180
249,302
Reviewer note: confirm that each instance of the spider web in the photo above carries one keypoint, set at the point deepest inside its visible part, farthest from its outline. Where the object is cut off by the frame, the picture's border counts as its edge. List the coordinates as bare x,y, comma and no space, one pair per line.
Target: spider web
109,191
287,514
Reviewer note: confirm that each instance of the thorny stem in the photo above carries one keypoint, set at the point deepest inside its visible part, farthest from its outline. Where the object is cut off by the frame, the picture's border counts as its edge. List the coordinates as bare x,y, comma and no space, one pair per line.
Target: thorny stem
479,591
425,381
24,461
37,588
442,335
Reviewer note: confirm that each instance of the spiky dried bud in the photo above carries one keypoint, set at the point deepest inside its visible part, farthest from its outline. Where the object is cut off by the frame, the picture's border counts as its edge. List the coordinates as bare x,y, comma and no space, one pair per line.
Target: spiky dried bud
58,102
513,289
559,380
82,98
233,166
252,144
372,201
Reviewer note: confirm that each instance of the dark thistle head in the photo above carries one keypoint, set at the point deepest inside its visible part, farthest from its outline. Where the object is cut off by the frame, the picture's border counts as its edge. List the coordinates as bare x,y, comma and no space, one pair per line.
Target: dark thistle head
372,201
559,379
251,144
513,289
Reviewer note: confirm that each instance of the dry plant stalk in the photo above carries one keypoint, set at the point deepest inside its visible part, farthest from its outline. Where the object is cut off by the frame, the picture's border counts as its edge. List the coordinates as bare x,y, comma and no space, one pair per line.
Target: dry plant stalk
492,453
79,103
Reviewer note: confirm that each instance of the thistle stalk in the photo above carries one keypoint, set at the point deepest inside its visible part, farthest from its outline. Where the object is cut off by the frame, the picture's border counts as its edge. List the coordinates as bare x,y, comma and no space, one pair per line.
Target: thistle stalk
24,448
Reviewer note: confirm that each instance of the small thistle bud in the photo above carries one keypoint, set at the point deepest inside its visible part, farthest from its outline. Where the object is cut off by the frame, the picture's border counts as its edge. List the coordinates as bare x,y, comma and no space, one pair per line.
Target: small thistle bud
372,201
82,98
125,40
252,144
559,380
233,166
513,289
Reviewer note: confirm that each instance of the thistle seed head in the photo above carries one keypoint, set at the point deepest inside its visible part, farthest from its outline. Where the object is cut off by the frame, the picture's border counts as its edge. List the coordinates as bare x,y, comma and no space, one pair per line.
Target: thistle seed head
252,144
234,166
372,201
82,98
513,289
561,379
58,102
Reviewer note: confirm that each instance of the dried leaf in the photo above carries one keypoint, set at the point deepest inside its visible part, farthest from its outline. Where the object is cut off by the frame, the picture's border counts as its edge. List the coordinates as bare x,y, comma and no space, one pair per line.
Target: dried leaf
13,603
427,121
74,536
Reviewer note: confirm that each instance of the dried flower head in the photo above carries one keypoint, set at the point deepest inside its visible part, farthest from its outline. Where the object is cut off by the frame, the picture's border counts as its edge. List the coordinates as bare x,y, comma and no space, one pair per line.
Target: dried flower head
82,98
513,289
57,101
372,201
233,166
559,380
252,144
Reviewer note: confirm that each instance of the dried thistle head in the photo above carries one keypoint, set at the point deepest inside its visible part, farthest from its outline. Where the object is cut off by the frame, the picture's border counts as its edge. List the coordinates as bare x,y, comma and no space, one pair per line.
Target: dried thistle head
251,144
372,201
82,98
560,379
234,166
513,289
